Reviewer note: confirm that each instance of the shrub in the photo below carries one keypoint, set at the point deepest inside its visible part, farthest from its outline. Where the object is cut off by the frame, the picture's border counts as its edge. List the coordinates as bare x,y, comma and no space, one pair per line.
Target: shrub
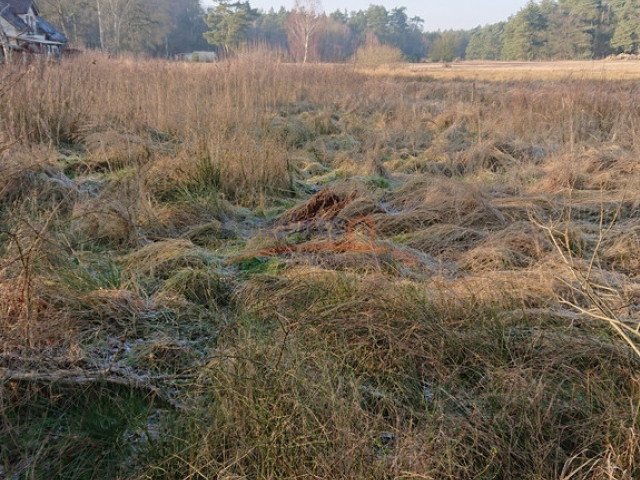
373,56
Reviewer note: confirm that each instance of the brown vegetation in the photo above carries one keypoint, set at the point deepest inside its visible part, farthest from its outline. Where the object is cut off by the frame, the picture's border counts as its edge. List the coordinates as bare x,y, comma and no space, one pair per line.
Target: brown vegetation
255,270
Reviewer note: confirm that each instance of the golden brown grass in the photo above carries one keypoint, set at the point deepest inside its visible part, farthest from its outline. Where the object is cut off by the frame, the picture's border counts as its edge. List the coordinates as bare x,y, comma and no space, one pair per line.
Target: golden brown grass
176,295
605,70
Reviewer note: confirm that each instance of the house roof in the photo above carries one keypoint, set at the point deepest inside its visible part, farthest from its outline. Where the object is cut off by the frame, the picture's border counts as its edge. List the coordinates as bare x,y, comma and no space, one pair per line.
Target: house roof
49,31
21,7
9,14
10,11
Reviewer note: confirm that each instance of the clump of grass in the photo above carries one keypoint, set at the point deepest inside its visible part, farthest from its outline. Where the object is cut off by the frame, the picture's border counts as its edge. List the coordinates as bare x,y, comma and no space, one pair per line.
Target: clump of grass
159,260
563,173
486,258
86,272
208,234
443,240
272,424
361,206
116,215
106,306
207,287
485,156
110,150
517,246
427,202
72,432
622,252
32,174
169,180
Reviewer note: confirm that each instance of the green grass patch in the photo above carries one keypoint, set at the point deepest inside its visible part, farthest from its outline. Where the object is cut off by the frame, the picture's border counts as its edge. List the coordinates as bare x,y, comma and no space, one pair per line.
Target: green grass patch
78,433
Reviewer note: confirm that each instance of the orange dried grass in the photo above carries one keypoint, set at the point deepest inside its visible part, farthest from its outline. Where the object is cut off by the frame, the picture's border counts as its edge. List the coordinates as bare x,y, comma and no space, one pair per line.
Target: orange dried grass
343,246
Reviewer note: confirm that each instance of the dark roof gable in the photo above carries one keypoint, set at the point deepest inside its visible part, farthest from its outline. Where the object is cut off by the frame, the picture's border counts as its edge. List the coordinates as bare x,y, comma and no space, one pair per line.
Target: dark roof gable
10,15
21,7
10,11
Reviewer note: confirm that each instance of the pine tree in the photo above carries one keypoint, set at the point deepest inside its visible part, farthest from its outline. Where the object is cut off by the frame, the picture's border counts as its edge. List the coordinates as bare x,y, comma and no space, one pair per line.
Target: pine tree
524,34
626,36
583,22
486,43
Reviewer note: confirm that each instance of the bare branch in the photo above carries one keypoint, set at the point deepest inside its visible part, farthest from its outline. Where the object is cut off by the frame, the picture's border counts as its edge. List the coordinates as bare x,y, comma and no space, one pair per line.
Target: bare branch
599,296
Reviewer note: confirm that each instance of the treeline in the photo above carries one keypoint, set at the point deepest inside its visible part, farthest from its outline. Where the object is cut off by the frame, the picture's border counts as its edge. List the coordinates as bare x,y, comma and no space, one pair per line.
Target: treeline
562,29
155,27
311,35
167,27
549,29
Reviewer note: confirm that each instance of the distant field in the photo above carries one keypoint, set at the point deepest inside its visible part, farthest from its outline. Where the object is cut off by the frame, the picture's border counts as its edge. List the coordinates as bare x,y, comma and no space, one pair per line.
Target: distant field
503,71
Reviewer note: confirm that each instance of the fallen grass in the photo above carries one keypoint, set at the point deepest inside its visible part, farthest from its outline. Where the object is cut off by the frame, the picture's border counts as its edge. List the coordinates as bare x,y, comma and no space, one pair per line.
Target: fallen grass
252,270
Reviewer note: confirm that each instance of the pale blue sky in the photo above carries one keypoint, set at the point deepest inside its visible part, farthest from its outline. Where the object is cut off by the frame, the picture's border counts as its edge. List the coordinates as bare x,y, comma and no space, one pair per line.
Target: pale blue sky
437,14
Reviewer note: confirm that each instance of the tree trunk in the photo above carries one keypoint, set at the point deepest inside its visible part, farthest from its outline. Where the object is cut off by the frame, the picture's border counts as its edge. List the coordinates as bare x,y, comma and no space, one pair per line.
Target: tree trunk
62,19
5,44
100,29
306,48
116,35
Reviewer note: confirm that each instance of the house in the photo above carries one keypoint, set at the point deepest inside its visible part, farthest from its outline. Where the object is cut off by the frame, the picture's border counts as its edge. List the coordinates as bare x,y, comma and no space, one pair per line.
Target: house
23,29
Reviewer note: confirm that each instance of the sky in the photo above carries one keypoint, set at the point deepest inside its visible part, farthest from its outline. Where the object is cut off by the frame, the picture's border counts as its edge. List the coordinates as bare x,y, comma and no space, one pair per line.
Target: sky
437,14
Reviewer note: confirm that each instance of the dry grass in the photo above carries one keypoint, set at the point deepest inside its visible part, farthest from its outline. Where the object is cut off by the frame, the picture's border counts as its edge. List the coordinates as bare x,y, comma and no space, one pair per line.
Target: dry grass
428,201
604,70
250,269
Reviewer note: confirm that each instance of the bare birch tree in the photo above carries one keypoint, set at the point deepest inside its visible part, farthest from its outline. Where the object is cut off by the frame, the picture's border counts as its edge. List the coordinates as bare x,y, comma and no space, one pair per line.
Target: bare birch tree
303,27
100,27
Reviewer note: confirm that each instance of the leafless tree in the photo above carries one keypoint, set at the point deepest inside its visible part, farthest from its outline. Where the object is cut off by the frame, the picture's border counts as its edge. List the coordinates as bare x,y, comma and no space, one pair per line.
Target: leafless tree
303,26
100,27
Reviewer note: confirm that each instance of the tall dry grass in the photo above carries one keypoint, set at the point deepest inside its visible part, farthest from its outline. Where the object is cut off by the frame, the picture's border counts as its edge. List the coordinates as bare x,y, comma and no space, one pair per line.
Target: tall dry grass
127,186
221,115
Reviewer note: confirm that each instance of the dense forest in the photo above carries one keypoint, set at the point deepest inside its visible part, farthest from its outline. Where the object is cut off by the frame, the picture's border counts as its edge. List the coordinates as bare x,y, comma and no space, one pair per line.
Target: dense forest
550,29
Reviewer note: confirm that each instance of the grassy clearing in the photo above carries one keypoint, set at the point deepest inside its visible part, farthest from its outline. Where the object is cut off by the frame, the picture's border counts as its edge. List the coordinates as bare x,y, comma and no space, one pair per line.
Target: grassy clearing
256,270
603,70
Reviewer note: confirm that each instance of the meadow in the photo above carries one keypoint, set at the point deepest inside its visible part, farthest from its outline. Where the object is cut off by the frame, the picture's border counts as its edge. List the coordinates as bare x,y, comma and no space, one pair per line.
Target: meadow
610,69
259,270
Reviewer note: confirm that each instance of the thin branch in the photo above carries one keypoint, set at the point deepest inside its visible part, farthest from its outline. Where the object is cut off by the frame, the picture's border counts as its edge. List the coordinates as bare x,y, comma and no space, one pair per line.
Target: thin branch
593,292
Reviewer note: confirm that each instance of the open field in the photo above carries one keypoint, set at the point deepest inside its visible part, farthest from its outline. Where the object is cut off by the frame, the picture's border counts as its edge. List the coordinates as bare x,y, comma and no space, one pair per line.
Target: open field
610,69
251,270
